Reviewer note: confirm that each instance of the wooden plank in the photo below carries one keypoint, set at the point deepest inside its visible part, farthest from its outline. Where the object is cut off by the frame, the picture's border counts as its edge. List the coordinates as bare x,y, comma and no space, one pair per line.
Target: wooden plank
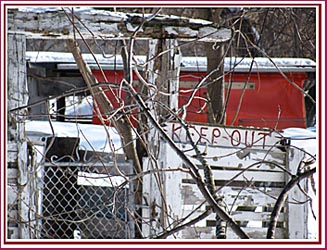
251,216
17,91
258,209
23,175
254,219
298,213
251,197
259,212
12,158
195,232
12,195
150,192
258,233
238,158
11,146
245,157
12,174
175,58
17,97
224,136
243,196
267,179
248,197
162,73
248,175
110,25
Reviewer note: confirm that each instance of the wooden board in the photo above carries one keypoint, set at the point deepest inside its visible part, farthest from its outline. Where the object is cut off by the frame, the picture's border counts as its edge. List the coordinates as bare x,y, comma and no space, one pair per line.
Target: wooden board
56,24
249,177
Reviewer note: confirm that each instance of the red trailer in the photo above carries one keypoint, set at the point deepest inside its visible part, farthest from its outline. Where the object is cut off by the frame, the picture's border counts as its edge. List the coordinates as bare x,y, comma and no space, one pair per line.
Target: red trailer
270,97
270,88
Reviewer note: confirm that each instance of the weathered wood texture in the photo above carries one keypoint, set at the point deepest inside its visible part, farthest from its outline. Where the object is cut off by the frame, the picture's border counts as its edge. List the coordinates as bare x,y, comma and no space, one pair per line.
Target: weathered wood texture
298,205
17,154
250,188
163,73
110,25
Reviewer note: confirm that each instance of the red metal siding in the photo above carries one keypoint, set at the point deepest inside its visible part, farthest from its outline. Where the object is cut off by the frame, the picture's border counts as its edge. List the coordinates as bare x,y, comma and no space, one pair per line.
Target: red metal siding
272,94
260,107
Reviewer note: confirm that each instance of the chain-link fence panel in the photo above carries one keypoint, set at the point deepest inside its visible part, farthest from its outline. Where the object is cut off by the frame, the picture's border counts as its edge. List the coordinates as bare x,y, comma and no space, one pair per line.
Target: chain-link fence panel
87,201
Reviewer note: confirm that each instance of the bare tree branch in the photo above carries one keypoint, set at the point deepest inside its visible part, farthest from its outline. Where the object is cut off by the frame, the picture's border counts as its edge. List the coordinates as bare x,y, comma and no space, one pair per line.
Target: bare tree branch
193,169
282,198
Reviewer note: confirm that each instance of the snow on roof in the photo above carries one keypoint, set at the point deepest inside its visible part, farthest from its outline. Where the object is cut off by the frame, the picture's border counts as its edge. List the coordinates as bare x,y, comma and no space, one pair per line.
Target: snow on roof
260,64
115,15
66,60
300,133
238,64
39,9
106,24
305,138
92,137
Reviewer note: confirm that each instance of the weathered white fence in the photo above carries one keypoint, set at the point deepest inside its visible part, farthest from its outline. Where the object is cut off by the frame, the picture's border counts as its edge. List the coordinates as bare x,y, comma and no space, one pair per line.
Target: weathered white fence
70,194
250,169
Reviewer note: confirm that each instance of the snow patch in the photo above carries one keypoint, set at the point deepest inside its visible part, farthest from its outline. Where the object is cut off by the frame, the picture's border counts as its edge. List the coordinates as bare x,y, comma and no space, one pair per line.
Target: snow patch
92,137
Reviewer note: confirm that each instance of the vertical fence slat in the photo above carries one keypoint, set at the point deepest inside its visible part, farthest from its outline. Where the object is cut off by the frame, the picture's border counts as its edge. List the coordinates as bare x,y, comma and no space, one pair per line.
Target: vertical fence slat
17,96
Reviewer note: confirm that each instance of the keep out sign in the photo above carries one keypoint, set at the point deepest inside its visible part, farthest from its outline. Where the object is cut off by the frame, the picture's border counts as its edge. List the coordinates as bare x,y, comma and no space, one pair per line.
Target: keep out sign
222,136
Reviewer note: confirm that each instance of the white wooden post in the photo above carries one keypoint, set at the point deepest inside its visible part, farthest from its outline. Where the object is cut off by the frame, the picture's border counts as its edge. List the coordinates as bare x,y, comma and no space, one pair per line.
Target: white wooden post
296,210
17,154
163,73
174,63
150,187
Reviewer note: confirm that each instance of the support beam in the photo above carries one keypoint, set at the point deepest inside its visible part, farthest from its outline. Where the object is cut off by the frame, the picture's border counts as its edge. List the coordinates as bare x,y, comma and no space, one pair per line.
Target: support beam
163,74
55,24
17,96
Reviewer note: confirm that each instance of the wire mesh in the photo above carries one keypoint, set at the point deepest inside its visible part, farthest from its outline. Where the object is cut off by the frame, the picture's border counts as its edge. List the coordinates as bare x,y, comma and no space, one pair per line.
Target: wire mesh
85,202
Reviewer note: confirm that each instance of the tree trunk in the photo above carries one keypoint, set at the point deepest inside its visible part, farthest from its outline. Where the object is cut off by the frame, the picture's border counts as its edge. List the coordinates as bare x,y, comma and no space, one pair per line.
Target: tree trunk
216,110
216,95
215,62
122,123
